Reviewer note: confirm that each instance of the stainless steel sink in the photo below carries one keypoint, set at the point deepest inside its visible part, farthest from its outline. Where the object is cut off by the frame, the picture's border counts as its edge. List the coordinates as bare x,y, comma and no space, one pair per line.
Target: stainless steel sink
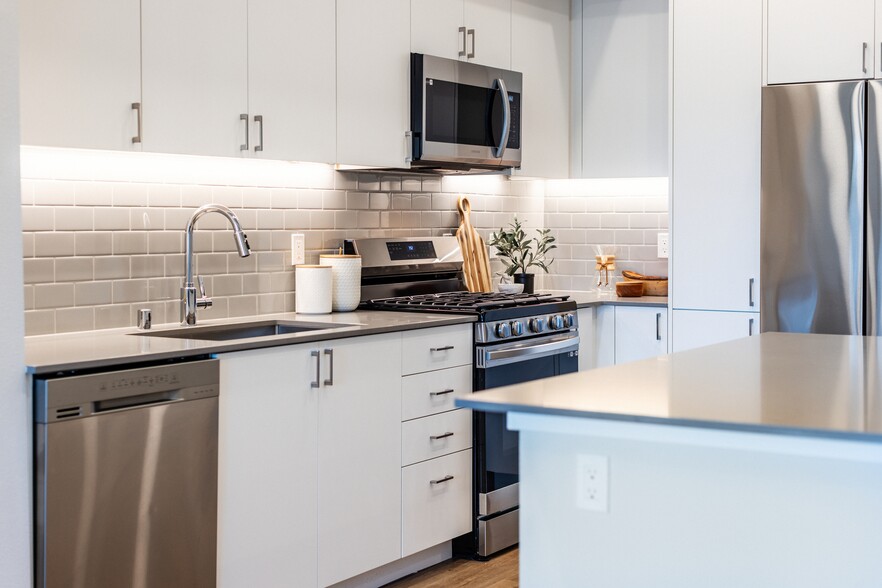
267,328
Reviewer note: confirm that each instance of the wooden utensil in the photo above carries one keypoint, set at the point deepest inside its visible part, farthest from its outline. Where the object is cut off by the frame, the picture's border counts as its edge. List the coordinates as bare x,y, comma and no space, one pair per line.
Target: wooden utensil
476,259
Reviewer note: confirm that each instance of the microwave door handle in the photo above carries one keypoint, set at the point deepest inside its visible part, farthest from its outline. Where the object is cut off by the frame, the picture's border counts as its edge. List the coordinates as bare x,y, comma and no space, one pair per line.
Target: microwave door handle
506,118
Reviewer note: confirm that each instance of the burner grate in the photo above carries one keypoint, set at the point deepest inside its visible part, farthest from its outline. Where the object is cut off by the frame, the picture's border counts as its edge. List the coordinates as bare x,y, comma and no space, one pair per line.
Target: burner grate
463,301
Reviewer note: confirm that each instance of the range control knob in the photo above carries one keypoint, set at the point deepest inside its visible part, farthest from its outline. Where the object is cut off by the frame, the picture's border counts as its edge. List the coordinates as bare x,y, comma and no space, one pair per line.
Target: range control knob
556,322
517,328
503,331
537,325
570,319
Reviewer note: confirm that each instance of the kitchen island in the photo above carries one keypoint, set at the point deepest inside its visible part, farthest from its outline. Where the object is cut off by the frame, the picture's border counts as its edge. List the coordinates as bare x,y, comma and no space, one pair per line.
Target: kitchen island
756,462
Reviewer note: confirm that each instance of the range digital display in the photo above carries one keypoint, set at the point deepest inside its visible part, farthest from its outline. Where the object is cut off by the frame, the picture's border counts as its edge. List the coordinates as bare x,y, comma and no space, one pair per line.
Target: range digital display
408,250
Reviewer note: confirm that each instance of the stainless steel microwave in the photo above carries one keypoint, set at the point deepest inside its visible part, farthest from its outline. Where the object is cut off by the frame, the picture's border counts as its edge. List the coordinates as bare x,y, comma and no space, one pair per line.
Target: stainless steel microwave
463,115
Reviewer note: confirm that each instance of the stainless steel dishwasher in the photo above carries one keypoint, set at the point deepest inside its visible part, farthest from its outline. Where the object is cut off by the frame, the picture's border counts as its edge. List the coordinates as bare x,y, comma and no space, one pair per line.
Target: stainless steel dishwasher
126,477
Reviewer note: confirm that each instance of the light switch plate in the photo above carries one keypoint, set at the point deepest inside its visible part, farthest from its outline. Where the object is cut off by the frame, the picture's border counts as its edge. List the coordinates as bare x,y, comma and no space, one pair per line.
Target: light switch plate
663,249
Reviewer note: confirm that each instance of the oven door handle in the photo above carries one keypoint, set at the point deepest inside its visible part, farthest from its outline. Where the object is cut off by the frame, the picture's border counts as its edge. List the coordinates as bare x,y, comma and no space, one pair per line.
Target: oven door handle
521,351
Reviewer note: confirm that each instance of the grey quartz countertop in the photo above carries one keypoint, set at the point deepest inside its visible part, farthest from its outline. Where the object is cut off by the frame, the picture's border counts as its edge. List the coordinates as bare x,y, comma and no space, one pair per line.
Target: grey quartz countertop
116,347
827,386
593,298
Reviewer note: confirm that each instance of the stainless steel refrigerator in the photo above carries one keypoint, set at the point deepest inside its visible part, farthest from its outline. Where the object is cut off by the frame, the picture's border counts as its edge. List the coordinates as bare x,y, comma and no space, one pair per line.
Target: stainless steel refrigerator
821,208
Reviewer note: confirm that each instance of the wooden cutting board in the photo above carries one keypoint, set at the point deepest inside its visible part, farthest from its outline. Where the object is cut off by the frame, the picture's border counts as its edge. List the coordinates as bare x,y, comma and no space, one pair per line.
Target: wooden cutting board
476,259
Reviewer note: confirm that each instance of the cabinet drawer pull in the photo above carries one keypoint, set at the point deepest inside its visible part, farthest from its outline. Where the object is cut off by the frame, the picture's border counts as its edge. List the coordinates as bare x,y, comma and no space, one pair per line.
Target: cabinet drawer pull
471,54
318,369
864,57
441,481
658,326
259,120
445,348
750,327
750,291
136,106
330,380
462,31
441,436
442,392
245,146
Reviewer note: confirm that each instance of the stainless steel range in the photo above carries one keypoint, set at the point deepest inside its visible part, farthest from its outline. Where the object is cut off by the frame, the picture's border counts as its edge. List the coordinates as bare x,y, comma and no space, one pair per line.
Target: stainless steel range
517,338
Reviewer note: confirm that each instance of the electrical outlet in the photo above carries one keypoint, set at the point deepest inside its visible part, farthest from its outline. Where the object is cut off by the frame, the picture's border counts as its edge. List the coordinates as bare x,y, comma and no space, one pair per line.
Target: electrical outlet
592,483
298,249
663,249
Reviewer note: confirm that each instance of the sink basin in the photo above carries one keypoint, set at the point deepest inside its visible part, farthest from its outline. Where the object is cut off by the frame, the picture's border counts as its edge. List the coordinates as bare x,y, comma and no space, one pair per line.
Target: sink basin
242,330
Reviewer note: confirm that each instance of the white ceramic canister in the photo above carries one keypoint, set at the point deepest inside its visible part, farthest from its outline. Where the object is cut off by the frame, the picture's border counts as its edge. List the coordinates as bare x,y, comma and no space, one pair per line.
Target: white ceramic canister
347,280
313,289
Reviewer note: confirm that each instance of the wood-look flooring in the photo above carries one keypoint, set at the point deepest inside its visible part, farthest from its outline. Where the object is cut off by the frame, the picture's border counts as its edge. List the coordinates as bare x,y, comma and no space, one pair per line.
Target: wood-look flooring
500,572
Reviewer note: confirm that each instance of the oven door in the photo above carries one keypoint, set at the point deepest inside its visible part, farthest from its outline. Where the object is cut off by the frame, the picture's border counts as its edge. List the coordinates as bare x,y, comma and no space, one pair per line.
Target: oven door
496,447
465,113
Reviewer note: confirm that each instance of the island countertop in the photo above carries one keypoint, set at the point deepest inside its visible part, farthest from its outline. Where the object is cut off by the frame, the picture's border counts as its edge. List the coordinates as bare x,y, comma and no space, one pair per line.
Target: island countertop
826,386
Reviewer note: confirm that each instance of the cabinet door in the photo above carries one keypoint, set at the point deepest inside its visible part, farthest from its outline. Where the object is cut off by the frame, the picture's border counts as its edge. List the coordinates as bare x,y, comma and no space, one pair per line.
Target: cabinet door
291,60
540,49
359,467
817,40
194,72
267,482
604,336
373,81
716,154
435,28
640,333
587,358
491,41
80,73
696,328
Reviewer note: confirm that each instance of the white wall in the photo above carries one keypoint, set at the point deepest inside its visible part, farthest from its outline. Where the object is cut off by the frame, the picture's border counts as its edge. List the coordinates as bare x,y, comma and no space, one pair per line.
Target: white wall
15,512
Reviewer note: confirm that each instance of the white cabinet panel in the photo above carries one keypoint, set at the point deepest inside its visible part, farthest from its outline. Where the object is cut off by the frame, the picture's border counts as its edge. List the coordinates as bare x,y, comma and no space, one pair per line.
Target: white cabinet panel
433,392
435,28
435,512
267,483
716,154
80,73
817,40
291,60
435,435
194,73
696,328
490,43
641,333
604,336
373,81
437,348
540,49
587,358
359,465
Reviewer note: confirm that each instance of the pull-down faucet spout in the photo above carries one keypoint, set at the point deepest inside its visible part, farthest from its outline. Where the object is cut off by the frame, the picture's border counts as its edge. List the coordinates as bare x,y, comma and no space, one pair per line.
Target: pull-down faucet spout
189,301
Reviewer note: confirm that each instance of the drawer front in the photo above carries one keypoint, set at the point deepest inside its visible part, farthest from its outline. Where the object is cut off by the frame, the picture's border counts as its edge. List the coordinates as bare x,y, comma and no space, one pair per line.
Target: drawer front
434,513
435,435
434,392
437,348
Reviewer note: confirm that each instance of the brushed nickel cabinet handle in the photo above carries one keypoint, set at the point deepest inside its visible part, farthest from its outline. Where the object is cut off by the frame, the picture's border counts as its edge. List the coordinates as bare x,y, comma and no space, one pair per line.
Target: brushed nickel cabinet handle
471,54
136,106
658,326
442,392
245,146
864,57
437,349
318,369
750,292
750,327
259,120
462,31
441,436
441,481
330,354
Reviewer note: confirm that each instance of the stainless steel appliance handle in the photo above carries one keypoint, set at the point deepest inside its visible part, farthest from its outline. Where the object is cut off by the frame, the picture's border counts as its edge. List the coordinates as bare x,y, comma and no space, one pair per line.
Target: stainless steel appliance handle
442,392
330,380
441,481
437,349
245,146
506,118
521,351
258,118
462,52
136,106
318,369
441,436
658,326
471,33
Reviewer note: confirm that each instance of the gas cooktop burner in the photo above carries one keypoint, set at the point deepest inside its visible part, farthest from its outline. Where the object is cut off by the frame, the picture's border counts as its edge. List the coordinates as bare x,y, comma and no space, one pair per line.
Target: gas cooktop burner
463,302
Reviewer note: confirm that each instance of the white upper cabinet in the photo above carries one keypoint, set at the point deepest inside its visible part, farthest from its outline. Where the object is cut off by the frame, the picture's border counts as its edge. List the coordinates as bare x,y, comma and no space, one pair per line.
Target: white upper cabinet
194,73
471,30
716,126
818,40
291,85
80,73
540,49
373,82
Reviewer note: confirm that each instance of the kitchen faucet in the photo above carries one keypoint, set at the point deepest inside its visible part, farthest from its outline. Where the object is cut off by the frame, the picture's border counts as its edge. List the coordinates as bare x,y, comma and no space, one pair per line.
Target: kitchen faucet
189,301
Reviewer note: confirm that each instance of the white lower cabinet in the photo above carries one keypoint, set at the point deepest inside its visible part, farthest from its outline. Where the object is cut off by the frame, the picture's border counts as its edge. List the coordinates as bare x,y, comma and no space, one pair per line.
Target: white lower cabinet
437,501
436,435
697,328
641,333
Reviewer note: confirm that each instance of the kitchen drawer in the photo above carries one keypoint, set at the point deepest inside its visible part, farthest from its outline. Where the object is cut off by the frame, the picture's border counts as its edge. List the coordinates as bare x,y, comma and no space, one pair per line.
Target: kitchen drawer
416,436
437,348
434,513
430,392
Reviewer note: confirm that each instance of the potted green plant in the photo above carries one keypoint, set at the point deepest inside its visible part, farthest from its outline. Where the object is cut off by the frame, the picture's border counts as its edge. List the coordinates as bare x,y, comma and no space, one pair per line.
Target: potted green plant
519,252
